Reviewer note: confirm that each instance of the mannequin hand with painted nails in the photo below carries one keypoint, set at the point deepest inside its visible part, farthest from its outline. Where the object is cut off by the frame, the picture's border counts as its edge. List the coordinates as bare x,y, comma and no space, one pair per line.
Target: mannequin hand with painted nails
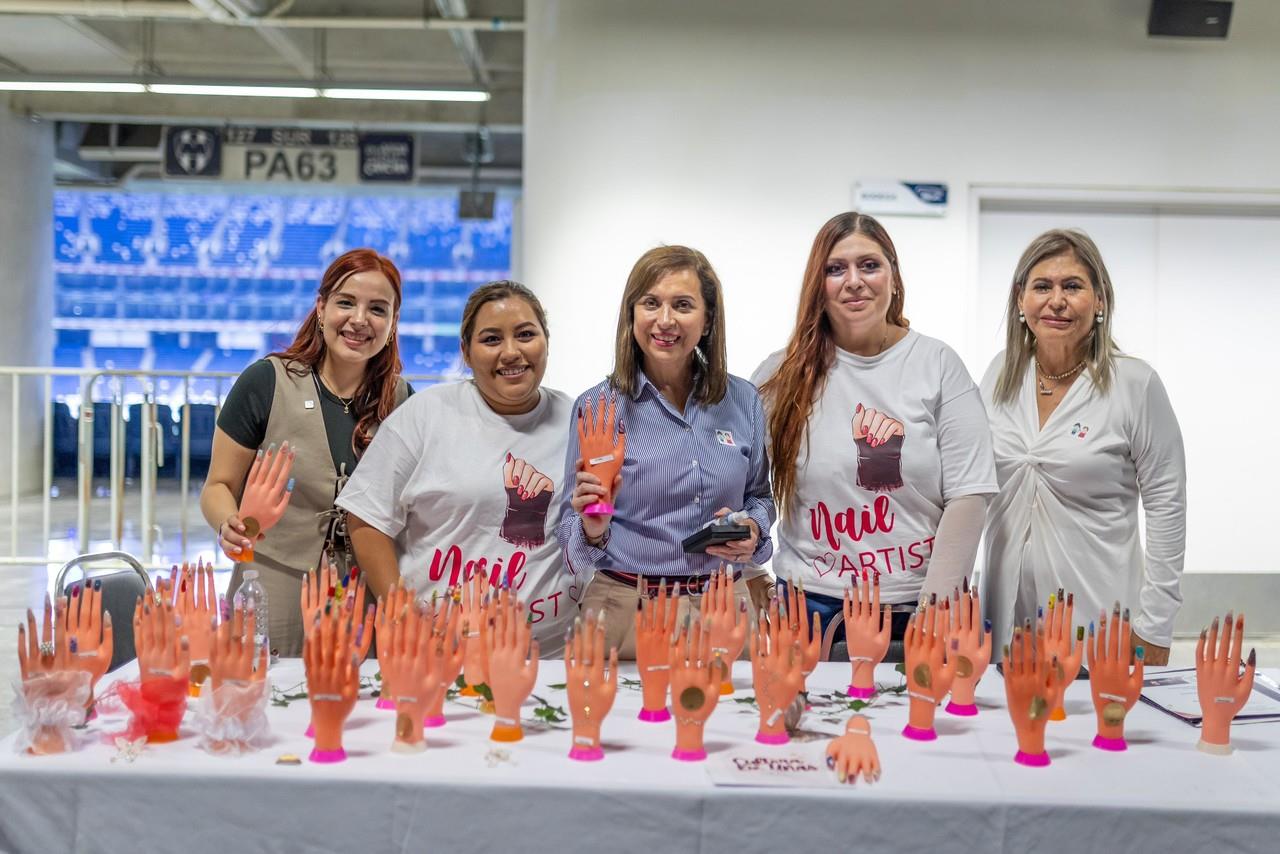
266,494
854,753
591,689
318,590
729,619
599,475
90,639
1030,683
445,624
695,681
1114,686
54,692
807,627
866,630
1057,636
232,718
390,609
930,668
1222,688
413,661
655,626
973,653
197,605
476,615
776,673
333,682
513,665
235,657
164,668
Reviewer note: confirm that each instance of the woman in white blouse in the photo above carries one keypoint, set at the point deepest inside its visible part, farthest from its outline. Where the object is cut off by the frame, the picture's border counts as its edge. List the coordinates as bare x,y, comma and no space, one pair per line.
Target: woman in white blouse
1081,432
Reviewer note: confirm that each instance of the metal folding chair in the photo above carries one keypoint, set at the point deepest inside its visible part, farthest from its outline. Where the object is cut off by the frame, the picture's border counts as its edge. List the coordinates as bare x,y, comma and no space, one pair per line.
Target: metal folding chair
121,588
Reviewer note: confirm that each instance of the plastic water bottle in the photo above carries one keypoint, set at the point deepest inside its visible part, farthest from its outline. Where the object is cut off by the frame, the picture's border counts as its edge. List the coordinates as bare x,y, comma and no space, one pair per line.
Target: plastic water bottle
252,596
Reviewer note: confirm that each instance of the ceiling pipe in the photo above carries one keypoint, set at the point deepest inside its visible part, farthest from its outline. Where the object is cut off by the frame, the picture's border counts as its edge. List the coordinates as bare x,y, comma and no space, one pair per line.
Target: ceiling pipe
180,10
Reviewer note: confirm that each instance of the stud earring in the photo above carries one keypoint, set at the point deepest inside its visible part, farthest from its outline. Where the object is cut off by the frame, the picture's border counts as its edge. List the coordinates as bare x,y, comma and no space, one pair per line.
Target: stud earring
1022,318
1098,317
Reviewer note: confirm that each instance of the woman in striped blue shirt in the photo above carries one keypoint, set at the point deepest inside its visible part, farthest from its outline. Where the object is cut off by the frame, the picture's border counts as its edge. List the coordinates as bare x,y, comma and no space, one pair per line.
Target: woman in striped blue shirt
695,447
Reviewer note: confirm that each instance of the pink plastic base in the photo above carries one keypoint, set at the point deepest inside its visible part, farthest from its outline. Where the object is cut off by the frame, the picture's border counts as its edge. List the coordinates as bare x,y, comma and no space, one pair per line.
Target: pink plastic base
962,710
318,755
311,731
600,508
1115,745
655,716
861,693
1032,760
385,704
587,754
772,738
917,734
688,755
433,722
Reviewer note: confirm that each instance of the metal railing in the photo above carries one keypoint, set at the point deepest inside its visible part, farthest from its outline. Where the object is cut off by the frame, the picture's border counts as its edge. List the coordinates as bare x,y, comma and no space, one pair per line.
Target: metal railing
122,387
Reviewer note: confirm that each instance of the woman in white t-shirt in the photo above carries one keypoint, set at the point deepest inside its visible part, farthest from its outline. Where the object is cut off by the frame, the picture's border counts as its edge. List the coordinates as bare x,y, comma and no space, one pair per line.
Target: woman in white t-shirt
462,481
879,442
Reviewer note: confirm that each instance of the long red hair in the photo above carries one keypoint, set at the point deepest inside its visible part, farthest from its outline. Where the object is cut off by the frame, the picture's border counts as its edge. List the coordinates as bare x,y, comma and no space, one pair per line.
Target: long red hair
810,353
376,396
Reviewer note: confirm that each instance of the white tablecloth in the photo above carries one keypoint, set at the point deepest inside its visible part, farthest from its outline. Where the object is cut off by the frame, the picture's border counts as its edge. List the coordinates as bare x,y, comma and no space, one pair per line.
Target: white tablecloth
962,792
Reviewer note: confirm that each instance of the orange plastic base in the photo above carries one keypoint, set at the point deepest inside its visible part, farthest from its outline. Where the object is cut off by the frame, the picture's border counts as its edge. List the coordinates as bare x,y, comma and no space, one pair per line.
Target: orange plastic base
506,733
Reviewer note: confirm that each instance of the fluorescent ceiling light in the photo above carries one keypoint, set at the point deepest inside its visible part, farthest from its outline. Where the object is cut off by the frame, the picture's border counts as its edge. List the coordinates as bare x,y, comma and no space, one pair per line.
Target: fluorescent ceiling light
234,91
407,94
68,86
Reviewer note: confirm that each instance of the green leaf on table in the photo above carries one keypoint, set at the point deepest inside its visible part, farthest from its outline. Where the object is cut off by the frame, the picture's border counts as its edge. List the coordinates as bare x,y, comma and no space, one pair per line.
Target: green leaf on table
558,686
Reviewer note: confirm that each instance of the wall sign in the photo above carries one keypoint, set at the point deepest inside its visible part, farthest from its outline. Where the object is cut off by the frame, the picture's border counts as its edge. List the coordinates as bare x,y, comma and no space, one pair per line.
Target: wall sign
887,196
296,156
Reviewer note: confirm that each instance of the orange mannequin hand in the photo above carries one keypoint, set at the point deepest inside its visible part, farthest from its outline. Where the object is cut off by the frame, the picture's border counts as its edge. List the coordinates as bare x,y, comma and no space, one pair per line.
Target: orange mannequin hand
866,629
655,626
164,667
591,688
1222,688
333,681
695,680
44,653
444,626
234,655
513,665
603,450
412,662
1114,687
197,604
807,627
930,671
390,609
266,494
729,636
777,675
1030,683
231,714
854,753
90,639
973,653
1057,637
475,632
318,589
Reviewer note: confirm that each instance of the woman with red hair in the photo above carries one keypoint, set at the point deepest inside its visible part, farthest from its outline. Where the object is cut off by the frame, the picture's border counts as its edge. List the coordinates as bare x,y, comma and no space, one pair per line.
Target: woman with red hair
881,453
325,395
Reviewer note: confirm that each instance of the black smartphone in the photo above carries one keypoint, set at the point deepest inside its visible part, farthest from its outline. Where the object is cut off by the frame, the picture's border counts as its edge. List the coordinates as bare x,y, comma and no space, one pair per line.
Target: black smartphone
714,535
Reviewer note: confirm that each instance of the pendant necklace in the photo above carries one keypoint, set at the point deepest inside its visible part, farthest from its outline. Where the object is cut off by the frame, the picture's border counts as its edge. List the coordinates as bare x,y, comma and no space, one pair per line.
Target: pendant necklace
346,402
1041,376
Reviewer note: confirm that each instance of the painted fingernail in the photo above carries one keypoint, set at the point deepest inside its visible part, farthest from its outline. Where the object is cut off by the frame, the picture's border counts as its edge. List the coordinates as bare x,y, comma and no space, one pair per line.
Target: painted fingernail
1006,650
288,487
933,598
1230,615
1253,657
1126,615
966,584
1040,611
97,584
75,591
1139,653
72,646
1115,609
1091,628
1214,624
1071,599
1079,633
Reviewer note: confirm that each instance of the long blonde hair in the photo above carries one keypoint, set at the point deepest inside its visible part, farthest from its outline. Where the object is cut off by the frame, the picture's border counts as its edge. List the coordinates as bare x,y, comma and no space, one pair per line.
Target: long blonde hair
1020,344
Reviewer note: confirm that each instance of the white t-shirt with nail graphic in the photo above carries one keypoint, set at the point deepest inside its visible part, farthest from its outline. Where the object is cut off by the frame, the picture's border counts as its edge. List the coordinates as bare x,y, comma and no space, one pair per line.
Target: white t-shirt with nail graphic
463,489
892,439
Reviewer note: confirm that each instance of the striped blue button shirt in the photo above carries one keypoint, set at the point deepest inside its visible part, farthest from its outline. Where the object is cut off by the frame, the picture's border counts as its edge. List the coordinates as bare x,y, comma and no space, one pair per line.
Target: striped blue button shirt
679,469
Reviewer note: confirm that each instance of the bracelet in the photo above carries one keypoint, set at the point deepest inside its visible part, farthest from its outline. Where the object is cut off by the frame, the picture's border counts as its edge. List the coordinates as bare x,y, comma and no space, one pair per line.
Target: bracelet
689,721
506,721
583,740
773,718
924,698
406,699
327,698
720,650
1112,697
654,667
1224,699
852,731
862,659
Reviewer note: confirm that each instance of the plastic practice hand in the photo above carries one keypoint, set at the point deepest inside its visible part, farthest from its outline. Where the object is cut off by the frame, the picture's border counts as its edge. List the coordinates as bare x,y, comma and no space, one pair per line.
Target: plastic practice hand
1058,630
695,680
164,667
197,605
444,622
807,627
318,590
591,688
391,609
603,450
776,674
412,661
43,653
866,630
266,494
1222,688
930,671
333,680
232,717
513,665
1114,686
726,623
234,655
655,626
1030,683
475,633
854,753
90,639
973,653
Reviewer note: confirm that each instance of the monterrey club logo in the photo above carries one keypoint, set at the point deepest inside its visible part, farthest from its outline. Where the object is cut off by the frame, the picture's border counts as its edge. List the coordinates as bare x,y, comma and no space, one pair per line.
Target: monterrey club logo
193,152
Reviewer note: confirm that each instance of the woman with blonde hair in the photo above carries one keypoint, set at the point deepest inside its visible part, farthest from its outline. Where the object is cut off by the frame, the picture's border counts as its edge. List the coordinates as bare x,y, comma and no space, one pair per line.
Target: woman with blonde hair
1081,433
880,448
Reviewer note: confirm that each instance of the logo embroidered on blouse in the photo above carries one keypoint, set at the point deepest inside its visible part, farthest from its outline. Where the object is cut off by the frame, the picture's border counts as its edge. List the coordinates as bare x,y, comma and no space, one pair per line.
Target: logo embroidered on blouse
724,437
1079,431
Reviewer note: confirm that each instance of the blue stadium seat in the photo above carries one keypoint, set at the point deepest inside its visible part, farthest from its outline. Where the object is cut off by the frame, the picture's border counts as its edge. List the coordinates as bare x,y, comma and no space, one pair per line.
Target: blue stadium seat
66,438
133,441
119,358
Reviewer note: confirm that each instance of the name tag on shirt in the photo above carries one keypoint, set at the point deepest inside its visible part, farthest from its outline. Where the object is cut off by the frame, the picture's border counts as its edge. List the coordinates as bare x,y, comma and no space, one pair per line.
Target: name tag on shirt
308,404
724,437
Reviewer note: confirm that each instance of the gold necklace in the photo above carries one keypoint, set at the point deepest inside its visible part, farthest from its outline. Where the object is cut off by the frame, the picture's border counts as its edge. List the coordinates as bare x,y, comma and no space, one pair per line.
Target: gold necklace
346,402
1042,376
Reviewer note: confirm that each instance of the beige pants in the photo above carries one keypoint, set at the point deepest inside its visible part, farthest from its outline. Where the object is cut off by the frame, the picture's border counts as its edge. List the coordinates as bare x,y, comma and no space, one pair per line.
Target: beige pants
284,606
617,601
